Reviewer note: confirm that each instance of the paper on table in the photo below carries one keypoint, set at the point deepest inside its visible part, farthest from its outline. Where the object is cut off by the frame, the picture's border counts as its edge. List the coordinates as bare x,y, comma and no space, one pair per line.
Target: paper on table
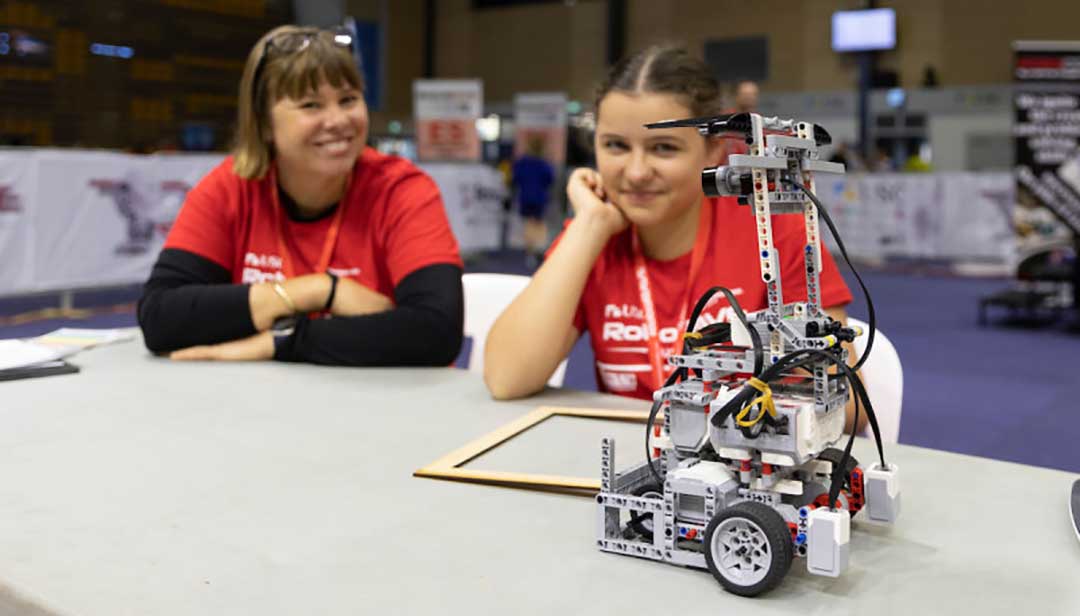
20,353
84,338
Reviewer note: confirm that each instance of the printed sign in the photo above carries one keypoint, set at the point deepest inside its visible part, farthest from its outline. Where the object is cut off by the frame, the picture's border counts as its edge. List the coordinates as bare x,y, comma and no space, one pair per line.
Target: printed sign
540,124
1047,128
446,111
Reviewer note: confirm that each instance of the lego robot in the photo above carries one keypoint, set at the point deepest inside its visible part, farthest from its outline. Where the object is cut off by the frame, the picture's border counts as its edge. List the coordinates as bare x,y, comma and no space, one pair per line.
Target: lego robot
743,475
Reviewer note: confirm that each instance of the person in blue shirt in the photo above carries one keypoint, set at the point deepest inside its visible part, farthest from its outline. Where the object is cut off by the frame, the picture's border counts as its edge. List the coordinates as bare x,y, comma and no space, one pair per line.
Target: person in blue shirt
532,177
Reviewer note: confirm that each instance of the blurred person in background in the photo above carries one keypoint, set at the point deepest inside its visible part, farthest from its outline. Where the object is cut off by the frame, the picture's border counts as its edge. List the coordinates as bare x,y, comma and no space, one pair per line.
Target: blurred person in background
642,216
532,176
846,155
881,162
305,245
746,101
746,96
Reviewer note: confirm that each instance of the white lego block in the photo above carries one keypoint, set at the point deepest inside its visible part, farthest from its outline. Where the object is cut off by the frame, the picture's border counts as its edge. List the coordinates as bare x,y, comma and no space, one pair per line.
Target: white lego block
707,473
783,486
739,335
882,489
660,442
828,538
777,459
733,453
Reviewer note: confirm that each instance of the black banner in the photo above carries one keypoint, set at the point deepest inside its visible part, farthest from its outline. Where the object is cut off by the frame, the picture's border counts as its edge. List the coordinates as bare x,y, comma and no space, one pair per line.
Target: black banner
1046,101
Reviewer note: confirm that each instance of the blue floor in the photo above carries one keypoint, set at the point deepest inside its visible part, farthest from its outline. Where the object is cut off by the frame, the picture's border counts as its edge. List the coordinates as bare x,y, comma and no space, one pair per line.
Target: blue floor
1000,392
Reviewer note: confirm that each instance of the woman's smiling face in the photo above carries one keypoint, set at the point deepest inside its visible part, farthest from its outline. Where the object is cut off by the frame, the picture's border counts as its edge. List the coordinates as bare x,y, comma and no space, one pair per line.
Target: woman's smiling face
321,133
652,175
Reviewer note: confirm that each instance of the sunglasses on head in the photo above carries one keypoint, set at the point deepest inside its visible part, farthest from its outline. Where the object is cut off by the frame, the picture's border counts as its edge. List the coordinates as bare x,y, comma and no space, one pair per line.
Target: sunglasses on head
287,43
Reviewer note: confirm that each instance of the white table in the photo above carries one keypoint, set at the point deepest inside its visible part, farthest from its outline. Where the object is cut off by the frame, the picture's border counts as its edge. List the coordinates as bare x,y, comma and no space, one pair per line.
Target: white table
141,486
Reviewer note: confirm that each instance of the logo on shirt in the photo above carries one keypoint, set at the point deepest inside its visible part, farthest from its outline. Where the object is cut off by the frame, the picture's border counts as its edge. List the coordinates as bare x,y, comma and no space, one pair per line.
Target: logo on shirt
268,268
261,268
618,381
148,208
615,327
623,311
344,272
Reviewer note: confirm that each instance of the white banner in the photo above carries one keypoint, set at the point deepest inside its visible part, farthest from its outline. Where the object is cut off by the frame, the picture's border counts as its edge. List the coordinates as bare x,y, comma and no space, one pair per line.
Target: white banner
17,193
71,219
946,216
473,195
90,218
906,212
977,217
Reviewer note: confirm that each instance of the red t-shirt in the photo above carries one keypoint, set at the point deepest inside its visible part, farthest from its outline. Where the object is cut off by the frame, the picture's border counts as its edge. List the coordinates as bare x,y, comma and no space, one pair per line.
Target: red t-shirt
611,310
394,223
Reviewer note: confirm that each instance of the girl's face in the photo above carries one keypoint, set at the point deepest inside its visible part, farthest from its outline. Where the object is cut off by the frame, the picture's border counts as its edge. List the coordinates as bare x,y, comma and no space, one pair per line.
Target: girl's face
321,133
652,175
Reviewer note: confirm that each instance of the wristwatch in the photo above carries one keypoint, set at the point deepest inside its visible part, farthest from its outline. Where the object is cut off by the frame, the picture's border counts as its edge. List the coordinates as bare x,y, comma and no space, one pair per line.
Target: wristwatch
282,331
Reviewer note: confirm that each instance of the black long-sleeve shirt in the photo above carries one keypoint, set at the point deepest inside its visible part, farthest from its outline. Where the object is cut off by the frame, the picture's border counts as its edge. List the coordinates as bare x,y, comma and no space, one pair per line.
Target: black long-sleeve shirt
189,300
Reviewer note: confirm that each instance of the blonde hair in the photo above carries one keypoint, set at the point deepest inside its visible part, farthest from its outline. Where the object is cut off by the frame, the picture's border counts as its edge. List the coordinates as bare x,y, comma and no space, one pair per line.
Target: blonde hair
291,75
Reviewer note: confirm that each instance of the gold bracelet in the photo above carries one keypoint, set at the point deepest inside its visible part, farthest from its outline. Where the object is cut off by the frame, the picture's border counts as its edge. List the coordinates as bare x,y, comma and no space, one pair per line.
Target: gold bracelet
280,290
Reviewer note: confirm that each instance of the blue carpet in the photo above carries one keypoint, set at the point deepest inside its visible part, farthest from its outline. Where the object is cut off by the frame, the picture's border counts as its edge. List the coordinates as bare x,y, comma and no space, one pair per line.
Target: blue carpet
998,392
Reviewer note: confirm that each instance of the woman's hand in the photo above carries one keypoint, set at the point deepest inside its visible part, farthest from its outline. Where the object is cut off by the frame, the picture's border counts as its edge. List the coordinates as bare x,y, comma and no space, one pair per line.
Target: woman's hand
353,299
255,348
589,200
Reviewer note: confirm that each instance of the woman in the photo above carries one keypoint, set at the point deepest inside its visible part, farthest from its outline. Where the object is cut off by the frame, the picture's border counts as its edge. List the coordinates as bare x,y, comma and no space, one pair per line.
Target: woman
644,239
305,245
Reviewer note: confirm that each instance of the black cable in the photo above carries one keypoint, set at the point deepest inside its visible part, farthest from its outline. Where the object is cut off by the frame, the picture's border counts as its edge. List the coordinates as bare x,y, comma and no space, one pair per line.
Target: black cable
759,359
837,478
843,252
798,359
648,426
788,362
755,337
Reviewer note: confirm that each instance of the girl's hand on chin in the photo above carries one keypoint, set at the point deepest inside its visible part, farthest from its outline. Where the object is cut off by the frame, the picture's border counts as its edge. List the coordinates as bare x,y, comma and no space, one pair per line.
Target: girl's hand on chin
589,200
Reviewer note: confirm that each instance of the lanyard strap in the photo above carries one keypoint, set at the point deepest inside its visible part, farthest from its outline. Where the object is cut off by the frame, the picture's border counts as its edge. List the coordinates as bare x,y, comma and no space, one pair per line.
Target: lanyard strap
641,275
329,243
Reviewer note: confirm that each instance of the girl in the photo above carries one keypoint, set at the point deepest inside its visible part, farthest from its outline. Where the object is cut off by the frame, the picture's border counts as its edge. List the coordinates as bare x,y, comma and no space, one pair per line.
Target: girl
644,243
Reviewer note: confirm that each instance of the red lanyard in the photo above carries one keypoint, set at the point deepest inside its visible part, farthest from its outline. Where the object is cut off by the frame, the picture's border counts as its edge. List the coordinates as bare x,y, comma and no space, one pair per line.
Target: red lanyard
331,235
641,275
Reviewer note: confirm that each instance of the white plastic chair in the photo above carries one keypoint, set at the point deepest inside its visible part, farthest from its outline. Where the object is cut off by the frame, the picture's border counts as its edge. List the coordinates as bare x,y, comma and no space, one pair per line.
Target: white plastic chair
486,296
883,377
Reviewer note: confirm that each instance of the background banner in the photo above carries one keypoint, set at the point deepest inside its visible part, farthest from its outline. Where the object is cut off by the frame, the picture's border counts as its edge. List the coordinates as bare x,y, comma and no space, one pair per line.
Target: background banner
954,217
473,195
446,111
1046,129
77,219
17,192
89,219
540,117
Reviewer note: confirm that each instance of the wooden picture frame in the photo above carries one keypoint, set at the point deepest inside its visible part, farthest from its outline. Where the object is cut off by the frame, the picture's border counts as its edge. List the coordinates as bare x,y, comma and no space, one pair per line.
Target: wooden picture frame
449,466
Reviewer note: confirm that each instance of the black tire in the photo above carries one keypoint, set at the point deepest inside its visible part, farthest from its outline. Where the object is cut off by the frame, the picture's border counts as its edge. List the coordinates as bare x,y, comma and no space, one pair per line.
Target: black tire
748,548
833,456
642,523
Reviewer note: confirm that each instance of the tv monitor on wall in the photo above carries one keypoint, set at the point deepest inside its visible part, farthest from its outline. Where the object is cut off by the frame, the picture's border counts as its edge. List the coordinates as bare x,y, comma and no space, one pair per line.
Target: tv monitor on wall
867,30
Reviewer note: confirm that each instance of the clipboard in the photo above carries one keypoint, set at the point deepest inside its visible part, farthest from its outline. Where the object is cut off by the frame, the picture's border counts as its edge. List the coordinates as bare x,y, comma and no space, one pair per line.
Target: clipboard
46,369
